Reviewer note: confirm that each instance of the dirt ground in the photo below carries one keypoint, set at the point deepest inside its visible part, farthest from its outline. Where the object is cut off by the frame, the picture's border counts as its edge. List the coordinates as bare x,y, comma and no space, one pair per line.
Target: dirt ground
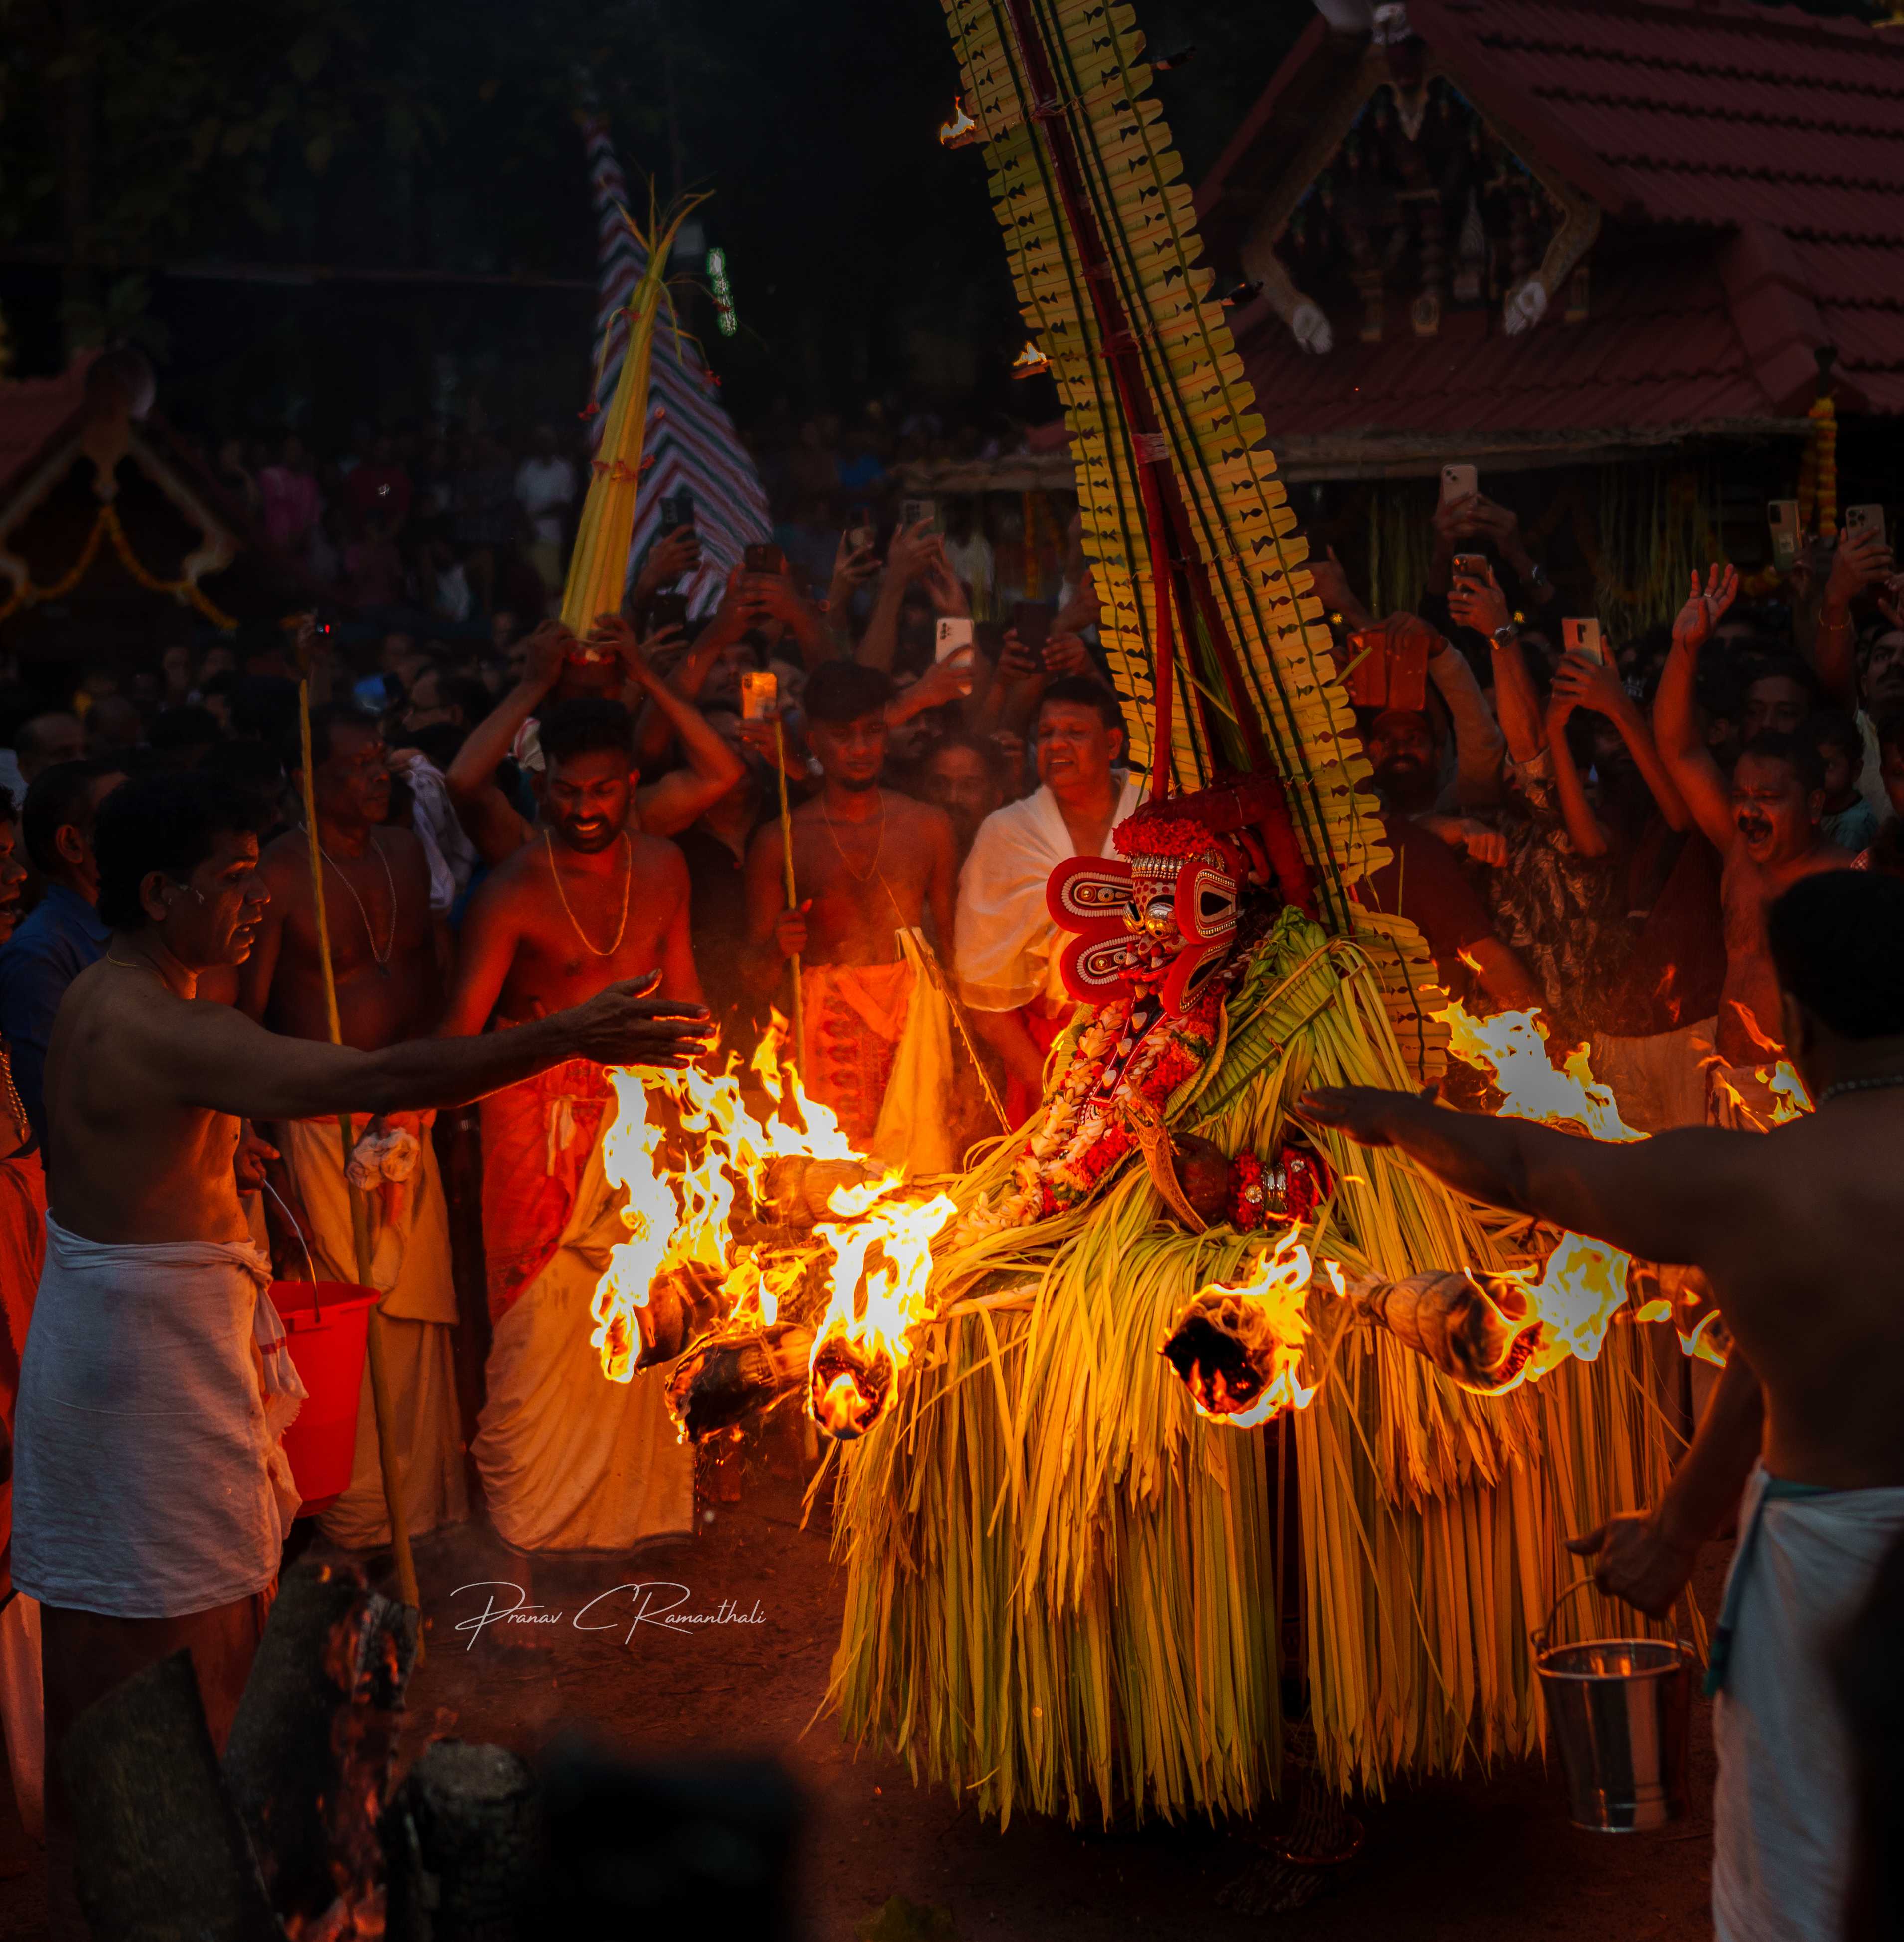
1487,1855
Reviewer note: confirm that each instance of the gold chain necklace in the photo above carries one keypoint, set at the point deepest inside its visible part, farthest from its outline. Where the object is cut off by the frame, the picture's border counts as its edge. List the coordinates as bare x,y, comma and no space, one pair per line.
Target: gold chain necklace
859,876
627,888
379,958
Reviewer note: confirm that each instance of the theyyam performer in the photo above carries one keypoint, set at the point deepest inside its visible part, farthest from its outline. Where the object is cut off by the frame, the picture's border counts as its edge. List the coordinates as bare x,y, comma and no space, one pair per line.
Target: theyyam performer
1069,1573
150,1494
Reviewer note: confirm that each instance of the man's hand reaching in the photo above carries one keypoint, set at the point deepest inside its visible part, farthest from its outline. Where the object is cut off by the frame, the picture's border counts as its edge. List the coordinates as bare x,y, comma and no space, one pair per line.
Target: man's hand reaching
548,647
621,1025
1693,626
1637,1561
1478,604
1367,1114
1859,560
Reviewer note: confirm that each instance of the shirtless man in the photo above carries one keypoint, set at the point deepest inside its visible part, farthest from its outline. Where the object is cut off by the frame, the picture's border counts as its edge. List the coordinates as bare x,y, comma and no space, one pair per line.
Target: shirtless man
147,1517
1797,1230
607,664
1008,969
868,862
569,1461
384,957
1765,824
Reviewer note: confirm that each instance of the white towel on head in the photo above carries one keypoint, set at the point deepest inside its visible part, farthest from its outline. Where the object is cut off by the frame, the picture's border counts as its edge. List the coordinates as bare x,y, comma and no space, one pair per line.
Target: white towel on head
149,1480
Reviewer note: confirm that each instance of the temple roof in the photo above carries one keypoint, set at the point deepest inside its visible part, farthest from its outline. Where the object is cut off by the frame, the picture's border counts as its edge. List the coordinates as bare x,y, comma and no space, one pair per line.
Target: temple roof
1740,171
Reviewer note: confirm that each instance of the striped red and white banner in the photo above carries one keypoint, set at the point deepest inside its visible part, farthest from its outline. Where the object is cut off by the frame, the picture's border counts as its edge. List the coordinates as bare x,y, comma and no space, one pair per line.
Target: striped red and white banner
691,445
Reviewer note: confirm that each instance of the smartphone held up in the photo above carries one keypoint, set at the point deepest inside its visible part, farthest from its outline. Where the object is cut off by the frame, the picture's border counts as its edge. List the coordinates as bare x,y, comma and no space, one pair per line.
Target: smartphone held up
1582,637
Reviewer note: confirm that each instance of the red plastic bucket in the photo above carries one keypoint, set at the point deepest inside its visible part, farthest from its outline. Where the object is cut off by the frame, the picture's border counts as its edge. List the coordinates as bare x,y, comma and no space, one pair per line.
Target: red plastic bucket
328,1323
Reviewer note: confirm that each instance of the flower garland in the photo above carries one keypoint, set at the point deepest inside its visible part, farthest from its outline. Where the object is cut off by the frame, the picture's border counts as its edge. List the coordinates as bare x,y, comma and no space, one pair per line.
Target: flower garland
1083,1133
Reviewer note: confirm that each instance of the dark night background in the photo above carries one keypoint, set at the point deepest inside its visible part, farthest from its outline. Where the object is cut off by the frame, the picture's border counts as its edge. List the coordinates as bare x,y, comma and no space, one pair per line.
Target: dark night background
176,172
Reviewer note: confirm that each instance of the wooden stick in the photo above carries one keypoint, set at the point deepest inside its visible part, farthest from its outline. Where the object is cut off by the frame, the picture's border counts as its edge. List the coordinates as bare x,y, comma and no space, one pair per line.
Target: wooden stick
380,1402
793,895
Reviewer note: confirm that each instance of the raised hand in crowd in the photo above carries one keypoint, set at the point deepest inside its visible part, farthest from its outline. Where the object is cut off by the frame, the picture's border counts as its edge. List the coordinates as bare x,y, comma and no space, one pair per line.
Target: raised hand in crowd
775,599
912,549
1705,607
1583,682
1858,562
1081,610
1479,604
940,686
944,587
673,800
1066,654
1332,590
1475,516
675,554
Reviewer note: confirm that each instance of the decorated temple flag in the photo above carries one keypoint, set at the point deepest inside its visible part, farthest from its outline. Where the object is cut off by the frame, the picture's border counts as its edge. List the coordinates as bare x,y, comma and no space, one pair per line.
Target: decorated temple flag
690,444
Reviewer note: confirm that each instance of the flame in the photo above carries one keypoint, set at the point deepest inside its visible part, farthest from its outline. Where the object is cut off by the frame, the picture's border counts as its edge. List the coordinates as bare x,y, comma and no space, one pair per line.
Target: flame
1658,1310
862,1344
1748,1024
1790,1100
1512,1048
1699,1342
676,1216
961,129
1582,1286
1277,1289
1031,362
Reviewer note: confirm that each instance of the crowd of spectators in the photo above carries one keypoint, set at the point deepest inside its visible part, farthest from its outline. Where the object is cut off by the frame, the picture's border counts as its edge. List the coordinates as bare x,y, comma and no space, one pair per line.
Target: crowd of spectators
1593,832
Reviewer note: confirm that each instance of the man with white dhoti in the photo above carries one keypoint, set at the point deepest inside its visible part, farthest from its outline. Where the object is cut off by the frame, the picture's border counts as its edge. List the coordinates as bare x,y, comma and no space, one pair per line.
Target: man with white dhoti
382,936
1006,958
1797,1230
150,1495
569,1460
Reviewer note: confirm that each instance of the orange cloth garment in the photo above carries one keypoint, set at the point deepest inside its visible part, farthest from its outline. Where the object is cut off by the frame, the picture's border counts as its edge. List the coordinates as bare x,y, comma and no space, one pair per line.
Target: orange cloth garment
536,1137
23,1253
856,1015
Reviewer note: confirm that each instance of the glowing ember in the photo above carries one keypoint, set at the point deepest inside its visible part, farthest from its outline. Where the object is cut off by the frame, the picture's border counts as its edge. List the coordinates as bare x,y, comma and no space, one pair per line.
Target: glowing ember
1237,1345
1512,1048
881,1264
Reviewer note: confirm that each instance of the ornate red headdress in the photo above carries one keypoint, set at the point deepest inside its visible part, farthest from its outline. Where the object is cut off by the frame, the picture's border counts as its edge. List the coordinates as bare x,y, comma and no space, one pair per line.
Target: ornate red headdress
1166,918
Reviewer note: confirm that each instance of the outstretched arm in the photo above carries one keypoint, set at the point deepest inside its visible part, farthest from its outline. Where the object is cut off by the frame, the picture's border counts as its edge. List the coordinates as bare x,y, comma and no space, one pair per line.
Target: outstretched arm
1675,713
213,1057
1663,1199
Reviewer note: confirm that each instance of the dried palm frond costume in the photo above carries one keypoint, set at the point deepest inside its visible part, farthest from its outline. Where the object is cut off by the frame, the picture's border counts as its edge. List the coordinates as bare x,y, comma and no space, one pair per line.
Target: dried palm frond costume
1065,1585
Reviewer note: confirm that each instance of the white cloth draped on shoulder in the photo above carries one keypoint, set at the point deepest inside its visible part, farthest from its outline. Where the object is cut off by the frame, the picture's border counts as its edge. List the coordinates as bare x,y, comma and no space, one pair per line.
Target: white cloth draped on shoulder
149,1481
1004,957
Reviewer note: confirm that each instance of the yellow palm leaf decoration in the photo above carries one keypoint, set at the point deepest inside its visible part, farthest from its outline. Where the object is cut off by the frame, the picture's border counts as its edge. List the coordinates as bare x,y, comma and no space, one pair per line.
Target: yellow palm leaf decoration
598,569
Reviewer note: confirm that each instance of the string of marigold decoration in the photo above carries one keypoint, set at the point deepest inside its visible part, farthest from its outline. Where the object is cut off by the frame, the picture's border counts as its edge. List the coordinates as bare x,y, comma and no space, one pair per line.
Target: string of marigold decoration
107,528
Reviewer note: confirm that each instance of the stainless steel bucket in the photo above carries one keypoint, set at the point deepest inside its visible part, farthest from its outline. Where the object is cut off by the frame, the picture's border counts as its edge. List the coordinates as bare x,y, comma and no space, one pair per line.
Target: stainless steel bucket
1618,1709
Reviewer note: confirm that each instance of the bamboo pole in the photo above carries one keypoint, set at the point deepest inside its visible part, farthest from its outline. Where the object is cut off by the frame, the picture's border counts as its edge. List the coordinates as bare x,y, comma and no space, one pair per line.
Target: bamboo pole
380,1402
793,895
